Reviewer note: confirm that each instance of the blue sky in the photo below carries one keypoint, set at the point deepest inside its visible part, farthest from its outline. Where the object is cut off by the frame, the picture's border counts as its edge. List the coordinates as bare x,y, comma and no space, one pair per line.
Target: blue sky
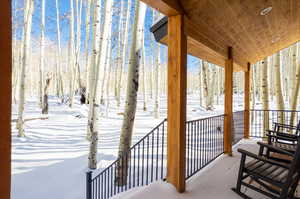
64,9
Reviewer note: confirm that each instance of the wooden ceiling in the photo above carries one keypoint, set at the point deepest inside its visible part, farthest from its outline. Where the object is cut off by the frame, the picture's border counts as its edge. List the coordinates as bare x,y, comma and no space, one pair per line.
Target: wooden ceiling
213,26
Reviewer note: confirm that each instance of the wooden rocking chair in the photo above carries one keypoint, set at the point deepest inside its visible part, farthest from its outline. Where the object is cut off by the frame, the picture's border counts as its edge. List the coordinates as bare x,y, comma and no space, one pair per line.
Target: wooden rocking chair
282,140
277,180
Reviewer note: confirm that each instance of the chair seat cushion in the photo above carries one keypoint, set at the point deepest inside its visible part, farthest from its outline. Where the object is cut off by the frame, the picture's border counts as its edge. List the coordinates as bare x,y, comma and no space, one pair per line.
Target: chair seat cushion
266,170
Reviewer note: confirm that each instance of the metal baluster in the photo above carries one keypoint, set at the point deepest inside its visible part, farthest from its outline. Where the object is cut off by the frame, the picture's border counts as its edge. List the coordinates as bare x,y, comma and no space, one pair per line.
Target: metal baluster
138,166
143,164
162,151
147,182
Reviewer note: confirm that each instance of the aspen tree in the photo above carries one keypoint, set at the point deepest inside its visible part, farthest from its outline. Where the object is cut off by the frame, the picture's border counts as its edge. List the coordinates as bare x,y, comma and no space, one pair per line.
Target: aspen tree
205,85
78,44
42,50
71,57
200,84
86,44
295,91
122,22
104,46
124,52
132,89
265,94
156,74
143,65
59,53
93,118
28,11
278,89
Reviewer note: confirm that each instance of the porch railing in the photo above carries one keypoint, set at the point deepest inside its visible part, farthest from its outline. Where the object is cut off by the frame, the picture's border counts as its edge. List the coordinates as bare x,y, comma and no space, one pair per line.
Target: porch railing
143,164
257,119
146,161
204,142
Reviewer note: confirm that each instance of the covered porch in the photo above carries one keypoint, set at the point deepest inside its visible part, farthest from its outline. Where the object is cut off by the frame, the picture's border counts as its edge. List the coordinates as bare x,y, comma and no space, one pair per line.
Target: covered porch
231,34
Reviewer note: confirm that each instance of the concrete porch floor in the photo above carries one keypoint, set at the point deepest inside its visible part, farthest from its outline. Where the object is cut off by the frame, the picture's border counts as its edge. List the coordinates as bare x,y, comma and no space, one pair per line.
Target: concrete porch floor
213,182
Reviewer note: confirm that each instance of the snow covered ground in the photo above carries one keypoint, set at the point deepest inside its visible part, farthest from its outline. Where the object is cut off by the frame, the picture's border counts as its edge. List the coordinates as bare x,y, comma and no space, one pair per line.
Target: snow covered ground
50,162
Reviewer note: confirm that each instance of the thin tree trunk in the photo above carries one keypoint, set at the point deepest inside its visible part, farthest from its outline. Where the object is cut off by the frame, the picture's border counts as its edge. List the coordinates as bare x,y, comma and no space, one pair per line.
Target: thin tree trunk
132,89
143,65
45,100
93,118
278,89
28,11
109,60
200,84
120,47
71,57
104,46
124,51
78,44
205,85
59,69
42,45
265,95
86,44
156,75
212,87
295,91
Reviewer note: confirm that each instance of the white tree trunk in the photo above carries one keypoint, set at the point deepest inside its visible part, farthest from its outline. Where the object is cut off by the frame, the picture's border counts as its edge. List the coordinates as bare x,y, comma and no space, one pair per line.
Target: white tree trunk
78,44
295,91
109,65
42,45
132,89
93,118
71,57
212,86
156,76
205,85
200,84
104,45
120,47
278,88
265,94
86,44
59,54
28,11
124,51
143,65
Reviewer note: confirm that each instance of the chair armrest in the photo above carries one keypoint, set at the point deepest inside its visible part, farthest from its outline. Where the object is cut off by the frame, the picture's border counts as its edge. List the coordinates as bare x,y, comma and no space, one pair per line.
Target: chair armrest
277,149
262,158
280,137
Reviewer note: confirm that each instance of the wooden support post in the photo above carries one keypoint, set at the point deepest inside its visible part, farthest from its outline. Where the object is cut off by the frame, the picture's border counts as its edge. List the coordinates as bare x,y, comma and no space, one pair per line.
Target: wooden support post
177,76
247,103
228,103
5,98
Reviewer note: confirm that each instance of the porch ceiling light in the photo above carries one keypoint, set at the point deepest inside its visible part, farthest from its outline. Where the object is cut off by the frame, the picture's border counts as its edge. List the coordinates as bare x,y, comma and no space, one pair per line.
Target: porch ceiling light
265,11
276,39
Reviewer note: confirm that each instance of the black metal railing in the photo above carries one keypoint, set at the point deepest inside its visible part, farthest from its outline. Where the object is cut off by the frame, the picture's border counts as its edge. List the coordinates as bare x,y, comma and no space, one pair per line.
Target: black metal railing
257,118
204,142
141,165
238,126
146,161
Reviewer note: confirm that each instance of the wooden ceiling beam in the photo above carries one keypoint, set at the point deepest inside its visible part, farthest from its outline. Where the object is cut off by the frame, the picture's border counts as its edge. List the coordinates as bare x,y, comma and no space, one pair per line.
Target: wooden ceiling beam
166,7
